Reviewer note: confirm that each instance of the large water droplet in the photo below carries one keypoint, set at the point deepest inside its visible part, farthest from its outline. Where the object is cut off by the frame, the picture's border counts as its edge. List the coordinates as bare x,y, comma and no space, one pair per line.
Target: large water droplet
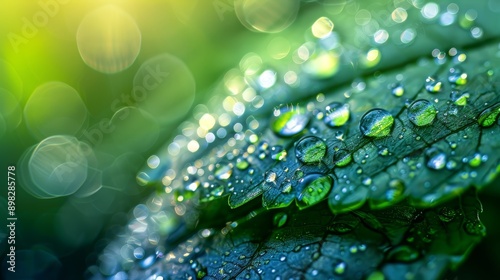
376,123
310,149
436,159
421,112
315,191
489,116
432,85
457,76
289,122
336,114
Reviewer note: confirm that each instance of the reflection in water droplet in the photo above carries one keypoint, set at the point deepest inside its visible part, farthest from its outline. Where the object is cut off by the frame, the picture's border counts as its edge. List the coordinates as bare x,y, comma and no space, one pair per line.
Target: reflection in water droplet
289,122
108,39
310,149
376,123
336,114
421,112
432,85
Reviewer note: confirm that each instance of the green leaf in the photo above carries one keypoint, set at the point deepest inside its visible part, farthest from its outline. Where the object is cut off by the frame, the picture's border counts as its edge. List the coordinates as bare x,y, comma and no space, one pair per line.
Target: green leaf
371,179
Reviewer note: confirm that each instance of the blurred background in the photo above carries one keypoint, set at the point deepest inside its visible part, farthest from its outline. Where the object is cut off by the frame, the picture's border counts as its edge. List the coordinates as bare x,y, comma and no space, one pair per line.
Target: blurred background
90,89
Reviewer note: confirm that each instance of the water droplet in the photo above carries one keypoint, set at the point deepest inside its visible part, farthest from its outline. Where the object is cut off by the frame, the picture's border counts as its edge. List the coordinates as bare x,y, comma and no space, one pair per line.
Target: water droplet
474,228
376,123
488,116
280,219
459,98
289,121
340,268
223,171
398,90
421,112
436,159
457,76
396,189
336,114
271,177
315,191
278,153
310,149
446,214
383,151
432,85
403,253
242,163
475,161
342,158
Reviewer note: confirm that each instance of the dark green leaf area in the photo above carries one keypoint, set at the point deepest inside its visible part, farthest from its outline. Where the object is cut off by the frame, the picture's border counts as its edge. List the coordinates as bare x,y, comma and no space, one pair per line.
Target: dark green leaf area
397,241
429,145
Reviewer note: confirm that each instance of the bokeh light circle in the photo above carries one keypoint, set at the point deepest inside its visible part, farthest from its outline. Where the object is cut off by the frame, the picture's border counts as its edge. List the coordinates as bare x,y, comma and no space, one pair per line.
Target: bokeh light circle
54,108
164,87
266,16
59,166
108,40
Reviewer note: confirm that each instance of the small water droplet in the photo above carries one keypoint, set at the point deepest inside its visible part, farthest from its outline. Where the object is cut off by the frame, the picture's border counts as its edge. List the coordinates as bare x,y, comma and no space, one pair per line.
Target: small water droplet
474,228
383,151
398,90
310,149
336,114
475,160
342,158
376,123
289,121
446,214
280,219
436,159
278,153
421,112
242,163
223,171
396,189
340,268
459,98
432,85
457,76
